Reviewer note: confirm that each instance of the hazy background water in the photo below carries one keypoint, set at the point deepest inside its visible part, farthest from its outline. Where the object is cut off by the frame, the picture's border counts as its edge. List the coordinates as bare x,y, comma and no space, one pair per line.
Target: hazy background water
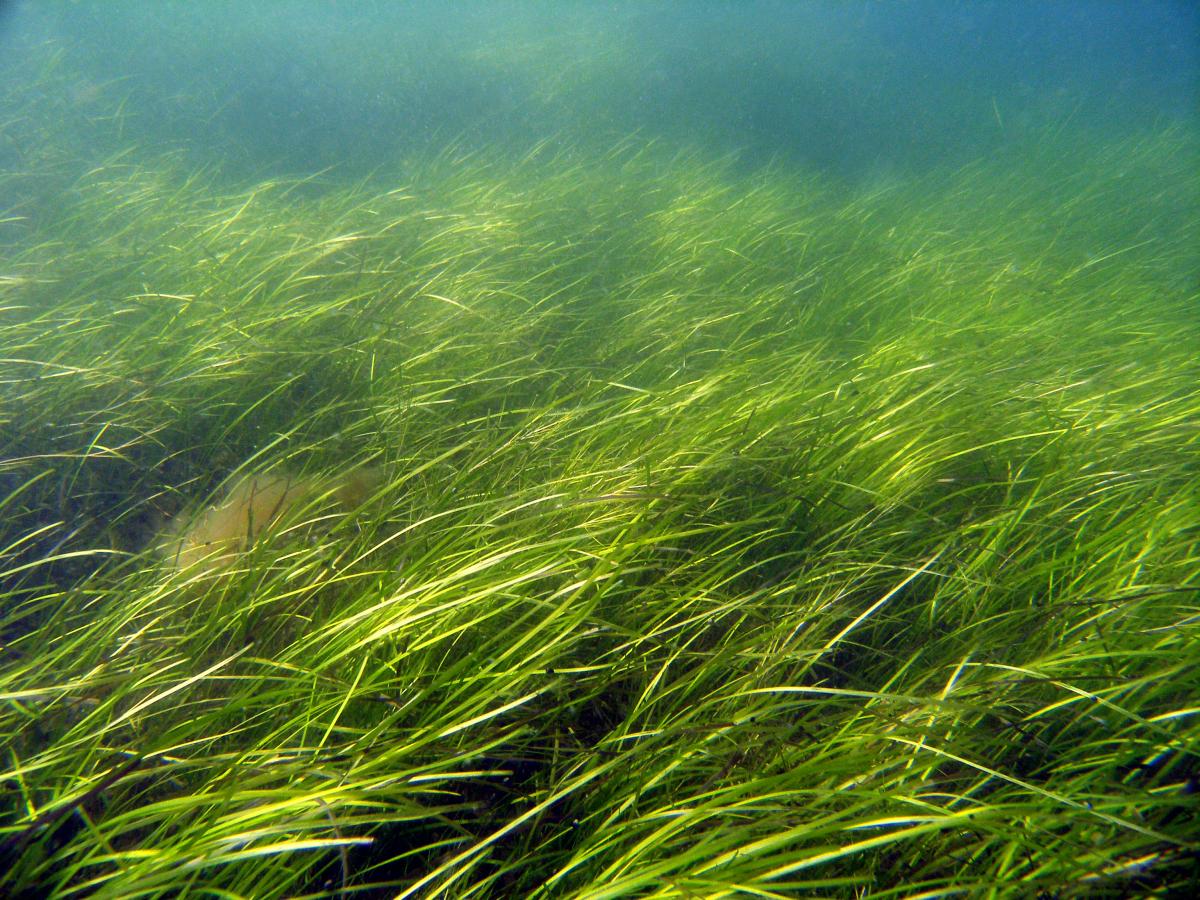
862,90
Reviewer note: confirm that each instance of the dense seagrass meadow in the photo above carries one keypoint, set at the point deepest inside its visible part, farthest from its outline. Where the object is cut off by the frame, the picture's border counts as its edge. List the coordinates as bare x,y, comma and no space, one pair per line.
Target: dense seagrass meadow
598,523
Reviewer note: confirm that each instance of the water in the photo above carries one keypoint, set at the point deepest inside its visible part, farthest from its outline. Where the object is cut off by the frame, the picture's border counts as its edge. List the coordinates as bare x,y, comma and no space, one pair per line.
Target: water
863,90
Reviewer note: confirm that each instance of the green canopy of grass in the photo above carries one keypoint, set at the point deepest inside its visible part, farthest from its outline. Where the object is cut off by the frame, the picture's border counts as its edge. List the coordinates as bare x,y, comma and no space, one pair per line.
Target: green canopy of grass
734,535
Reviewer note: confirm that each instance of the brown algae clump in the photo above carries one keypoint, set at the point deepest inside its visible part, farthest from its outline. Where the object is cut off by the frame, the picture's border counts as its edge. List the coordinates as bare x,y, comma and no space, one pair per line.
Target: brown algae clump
216,536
